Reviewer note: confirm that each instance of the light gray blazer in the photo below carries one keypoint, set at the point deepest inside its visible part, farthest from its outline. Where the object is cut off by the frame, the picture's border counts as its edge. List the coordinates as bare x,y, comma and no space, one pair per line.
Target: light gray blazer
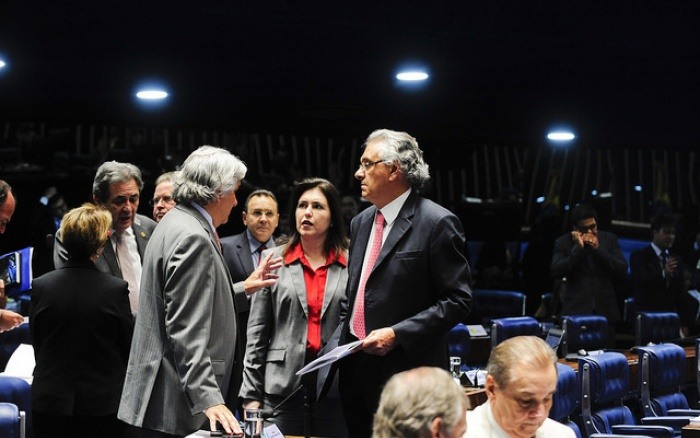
185,337
277,330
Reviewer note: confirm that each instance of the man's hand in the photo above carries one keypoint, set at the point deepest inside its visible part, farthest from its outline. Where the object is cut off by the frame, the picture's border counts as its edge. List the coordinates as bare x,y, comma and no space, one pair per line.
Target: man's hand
671,266
10,320
577,237
590,239
264,275
222,415
379,342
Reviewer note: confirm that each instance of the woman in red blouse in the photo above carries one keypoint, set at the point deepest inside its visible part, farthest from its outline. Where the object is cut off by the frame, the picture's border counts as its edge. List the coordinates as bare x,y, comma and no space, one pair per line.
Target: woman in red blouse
291,321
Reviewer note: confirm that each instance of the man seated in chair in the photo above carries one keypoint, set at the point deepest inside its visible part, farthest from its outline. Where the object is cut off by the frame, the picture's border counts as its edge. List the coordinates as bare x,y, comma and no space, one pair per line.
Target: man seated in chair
520,385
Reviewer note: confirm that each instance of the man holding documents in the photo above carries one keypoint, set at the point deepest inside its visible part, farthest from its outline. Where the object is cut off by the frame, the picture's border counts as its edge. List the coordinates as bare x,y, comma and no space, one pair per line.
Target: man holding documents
291,321
408,276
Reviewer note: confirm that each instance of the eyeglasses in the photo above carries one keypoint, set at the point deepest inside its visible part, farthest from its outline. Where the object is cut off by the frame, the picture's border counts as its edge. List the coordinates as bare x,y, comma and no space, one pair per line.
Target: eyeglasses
165,199
367,165
586,228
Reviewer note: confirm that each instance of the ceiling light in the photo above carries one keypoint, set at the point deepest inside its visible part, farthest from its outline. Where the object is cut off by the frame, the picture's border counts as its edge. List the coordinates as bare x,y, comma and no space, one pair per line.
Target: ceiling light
412,76
2,63
152,94
561,136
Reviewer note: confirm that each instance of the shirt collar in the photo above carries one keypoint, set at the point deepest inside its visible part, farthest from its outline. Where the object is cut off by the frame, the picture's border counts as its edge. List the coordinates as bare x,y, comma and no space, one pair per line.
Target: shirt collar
253,243
205,213
297,253
392,209
657,250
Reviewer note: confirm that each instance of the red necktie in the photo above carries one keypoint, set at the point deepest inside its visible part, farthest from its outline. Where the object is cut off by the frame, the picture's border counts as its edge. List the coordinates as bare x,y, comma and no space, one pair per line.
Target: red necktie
358,322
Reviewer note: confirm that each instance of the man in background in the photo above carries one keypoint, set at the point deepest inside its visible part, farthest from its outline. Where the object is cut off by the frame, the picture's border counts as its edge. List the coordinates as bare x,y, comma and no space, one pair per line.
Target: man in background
117,187
657,274
163,199
589,260
8,319
242,254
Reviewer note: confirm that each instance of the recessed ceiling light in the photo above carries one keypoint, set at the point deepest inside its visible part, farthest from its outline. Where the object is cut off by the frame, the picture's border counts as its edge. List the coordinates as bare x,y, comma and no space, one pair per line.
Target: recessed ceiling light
2,63
412,76
152,94
561,136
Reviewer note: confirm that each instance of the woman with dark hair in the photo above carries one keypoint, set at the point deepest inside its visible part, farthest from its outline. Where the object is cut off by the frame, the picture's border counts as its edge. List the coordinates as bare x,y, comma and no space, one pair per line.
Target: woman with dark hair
292,320
81,327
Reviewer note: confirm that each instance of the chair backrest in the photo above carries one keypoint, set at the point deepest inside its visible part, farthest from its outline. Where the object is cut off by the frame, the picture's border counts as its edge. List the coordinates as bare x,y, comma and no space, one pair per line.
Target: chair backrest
628,309
504,328
458,343
656,327
10,421
18,392
587,332
566,401
661,372
490,304
604,381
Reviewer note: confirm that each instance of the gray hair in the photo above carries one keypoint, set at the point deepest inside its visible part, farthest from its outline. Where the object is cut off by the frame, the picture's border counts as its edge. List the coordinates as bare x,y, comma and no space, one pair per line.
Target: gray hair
412,399
403,149
113,172
206,174
529,351
167,176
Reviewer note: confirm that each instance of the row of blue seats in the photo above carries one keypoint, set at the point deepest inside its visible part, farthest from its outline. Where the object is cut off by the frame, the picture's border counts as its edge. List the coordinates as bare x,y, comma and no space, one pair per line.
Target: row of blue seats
595,402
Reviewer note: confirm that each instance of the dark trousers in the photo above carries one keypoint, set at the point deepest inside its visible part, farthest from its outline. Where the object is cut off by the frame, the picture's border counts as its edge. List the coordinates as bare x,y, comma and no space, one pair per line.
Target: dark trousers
59,426
361,379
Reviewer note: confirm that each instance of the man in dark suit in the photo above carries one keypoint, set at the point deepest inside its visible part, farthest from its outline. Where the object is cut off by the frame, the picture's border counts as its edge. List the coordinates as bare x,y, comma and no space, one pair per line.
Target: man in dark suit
242,255
117,187
657,273
589,259
418,287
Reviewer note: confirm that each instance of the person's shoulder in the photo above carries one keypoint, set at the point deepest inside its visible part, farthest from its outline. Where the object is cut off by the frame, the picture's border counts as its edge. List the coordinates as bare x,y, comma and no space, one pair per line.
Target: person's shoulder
554,429
144,222
234,239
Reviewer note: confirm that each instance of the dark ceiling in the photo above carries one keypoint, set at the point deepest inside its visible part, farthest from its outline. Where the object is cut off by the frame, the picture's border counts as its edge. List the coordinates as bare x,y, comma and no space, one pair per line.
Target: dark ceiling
621,73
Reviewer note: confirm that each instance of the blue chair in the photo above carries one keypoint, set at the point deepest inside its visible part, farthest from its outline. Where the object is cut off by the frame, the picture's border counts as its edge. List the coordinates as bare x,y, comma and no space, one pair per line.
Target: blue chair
18,392
604,381
458,344
491,304
628,309
504,328
12,421
661,372
566,401
584,332
656,327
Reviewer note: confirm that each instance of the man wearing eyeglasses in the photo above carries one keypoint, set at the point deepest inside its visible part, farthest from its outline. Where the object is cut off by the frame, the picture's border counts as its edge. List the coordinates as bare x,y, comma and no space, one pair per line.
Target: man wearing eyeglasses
408,277
163,199
117,188
589,260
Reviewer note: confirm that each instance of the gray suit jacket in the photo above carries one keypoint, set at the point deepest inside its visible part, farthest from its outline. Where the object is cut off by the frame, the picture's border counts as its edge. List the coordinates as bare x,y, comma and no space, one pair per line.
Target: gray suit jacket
185,336
107,262
277,330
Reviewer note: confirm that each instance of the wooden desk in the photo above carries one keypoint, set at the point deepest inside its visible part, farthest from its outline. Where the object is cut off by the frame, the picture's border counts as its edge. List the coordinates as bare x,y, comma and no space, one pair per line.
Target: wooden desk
690,432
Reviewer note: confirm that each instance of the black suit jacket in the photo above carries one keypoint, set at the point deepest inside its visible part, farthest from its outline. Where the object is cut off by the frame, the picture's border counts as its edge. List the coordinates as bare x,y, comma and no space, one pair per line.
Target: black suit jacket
652,291
419,285
81,328
589,275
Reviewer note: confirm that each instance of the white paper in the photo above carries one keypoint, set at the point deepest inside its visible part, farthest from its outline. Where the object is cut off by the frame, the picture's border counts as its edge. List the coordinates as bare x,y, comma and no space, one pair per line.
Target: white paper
335,354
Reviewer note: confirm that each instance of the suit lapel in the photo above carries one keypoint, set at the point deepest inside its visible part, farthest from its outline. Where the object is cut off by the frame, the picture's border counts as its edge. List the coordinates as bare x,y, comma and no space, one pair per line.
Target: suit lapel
245,258
296,271
401,226
108,260
142,237
332,280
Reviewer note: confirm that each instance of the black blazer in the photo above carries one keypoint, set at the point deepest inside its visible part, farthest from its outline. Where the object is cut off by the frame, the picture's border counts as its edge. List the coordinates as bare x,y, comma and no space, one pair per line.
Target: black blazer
419,285
653,292
81,327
